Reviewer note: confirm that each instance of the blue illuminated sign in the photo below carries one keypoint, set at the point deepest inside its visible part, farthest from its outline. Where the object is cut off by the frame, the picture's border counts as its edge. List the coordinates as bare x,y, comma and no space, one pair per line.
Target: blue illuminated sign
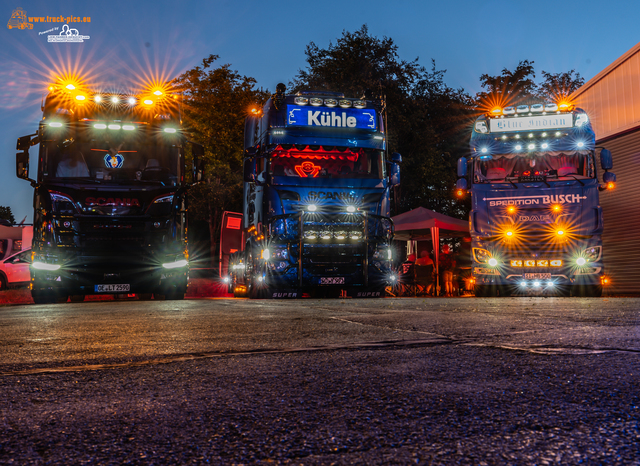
356,118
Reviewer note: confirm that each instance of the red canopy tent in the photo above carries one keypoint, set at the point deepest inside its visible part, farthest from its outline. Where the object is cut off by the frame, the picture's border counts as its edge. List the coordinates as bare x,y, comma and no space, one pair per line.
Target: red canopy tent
423,224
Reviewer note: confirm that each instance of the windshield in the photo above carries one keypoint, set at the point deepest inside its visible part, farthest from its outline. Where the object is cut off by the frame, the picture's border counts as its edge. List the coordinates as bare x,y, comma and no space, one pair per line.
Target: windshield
534,167
308,163
113,156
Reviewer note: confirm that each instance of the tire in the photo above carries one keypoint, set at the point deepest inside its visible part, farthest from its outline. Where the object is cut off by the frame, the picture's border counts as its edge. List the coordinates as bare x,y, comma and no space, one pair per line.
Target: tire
587,291
485,291
3,283
145,296
44,297
175,294
480,291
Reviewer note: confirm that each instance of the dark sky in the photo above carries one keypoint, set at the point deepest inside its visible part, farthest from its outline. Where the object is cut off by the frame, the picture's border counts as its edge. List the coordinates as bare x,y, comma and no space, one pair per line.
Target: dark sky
266,40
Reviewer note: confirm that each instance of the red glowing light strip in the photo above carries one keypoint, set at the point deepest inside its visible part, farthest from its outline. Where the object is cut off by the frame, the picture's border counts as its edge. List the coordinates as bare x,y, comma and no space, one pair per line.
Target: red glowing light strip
325,156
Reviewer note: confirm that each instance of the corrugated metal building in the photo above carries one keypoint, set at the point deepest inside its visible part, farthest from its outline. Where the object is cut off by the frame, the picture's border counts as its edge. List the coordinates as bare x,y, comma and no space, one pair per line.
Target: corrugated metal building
612,101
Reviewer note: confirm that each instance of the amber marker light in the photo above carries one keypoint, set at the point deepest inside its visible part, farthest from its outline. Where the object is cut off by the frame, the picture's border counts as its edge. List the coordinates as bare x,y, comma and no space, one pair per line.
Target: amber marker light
496,111
560,232
611,185
70,86
556,208
511,209
460,193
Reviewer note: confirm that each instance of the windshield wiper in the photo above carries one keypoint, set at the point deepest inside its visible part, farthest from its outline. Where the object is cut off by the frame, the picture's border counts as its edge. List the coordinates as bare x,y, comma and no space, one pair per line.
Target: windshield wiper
577,179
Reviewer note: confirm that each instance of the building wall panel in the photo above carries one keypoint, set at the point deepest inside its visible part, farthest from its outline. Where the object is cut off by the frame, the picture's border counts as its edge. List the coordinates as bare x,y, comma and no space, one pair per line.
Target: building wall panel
621,210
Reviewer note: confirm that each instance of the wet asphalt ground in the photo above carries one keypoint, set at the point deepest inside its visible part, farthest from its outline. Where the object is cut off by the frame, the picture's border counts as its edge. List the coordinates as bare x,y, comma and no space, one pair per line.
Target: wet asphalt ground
389,381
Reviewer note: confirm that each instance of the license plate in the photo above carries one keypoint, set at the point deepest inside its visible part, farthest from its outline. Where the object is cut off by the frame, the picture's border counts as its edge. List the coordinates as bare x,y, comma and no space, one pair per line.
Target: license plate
332,280
112,288
540,276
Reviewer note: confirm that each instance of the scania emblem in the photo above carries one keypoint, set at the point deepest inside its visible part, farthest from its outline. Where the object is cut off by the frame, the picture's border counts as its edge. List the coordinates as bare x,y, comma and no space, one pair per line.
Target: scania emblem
112,201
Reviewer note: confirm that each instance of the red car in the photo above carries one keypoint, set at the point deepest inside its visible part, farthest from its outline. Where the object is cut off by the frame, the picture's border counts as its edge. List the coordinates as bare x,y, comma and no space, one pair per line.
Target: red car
14,270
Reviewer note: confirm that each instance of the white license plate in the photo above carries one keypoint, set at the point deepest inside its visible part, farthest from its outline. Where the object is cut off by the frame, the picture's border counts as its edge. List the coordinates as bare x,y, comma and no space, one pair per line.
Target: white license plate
539,276
332,280
113,288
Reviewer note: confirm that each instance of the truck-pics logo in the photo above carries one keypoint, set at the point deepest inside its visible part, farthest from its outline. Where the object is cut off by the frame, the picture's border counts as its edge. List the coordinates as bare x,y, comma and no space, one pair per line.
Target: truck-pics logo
18,20
67,35
534,200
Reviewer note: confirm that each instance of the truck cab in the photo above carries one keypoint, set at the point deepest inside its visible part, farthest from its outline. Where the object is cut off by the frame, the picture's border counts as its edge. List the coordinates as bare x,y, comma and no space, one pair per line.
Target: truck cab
316,211
536,221
110,194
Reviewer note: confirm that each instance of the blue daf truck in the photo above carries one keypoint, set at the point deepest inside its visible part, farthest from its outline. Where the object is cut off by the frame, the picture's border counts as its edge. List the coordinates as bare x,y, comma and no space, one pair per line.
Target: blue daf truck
110,194
317,186
535,221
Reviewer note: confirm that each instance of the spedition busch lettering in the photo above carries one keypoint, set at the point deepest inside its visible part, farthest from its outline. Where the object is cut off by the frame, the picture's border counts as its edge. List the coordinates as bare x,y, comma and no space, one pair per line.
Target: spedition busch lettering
112,201
535,200
329,117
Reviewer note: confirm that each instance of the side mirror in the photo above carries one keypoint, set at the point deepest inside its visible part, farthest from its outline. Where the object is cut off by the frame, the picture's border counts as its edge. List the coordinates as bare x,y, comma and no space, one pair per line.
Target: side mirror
461,184
606,159
22,165
462,168
23,143
249,170
394,174
609,177
198,162
396,158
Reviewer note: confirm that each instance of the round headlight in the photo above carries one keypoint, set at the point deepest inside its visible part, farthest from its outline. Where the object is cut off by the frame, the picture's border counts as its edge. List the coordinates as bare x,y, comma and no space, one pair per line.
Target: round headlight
493,262
581,261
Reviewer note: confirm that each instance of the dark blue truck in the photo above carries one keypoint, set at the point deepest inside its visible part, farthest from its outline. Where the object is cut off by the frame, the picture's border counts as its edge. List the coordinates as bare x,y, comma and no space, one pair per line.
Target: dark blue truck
316,199
536,222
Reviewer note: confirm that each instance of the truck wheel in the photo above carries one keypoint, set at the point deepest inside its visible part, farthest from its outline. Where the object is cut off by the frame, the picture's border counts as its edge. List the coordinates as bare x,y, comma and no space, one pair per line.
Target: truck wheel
587,291
44,297
175,294
3,283
484,291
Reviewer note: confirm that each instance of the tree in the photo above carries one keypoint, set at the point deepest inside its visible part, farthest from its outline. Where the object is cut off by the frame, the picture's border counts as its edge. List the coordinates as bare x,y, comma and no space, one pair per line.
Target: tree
6,214
509,88
426,118
517,87
217,100
559,86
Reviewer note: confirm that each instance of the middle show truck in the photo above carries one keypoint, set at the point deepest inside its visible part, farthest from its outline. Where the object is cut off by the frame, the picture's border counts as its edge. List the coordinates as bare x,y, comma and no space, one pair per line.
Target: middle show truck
316,207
